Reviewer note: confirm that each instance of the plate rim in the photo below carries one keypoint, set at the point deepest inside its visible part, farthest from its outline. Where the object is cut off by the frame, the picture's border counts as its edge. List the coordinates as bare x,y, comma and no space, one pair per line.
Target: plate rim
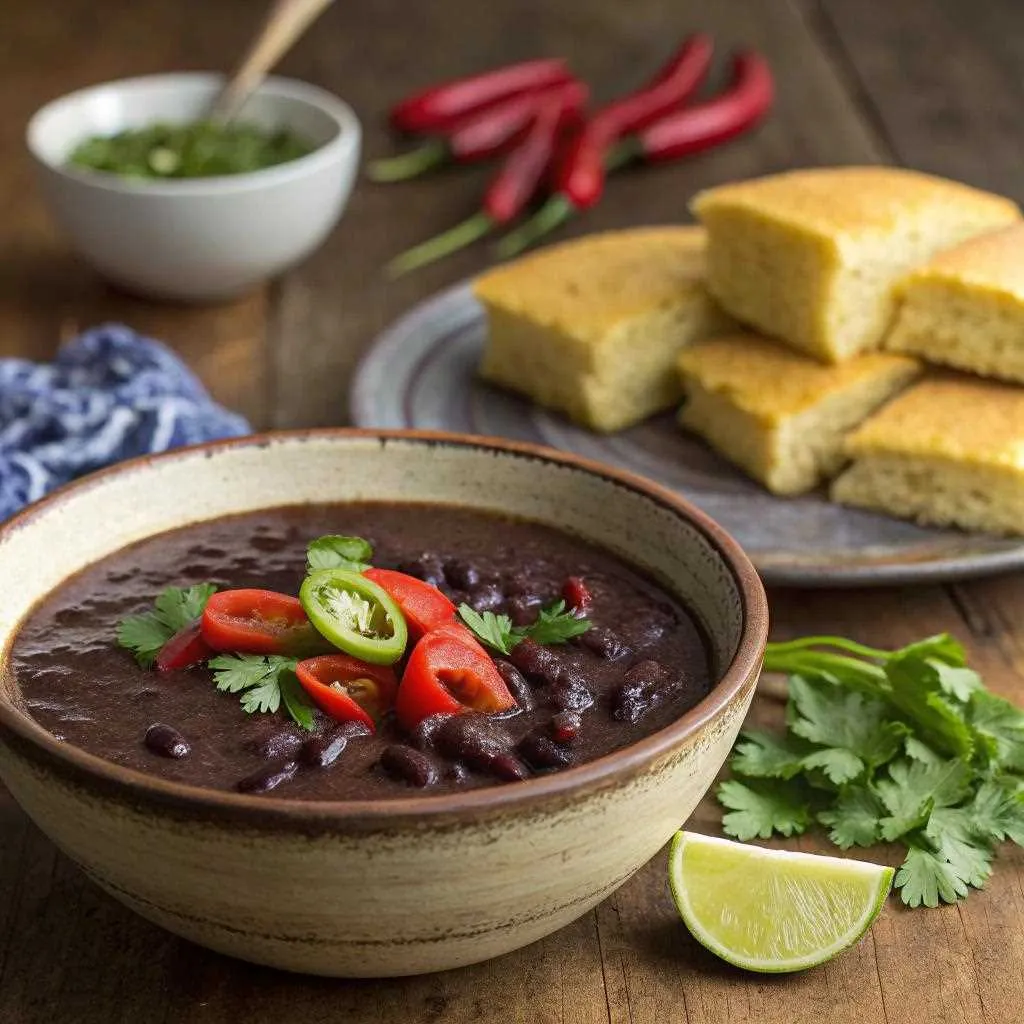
459,298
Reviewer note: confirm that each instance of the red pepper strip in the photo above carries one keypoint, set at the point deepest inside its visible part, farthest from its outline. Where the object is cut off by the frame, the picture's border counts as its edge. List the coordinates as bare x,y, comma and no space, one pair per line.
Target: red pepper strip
259,622
506,197
482,134
186,647
742,105
422,605
448,672
434,109
347,689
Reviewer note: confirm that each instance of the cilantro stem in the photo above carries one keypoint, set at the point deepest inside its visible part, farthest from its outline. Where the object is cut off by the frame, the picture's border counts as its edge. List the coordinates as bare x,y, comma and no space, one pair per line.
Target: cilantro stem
810,642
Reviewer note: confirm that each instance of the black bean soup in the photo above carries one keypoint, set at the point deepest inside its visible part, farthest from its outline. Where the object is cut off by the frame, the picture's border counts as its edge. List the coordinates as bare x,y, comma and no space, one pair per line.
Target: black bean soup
642,663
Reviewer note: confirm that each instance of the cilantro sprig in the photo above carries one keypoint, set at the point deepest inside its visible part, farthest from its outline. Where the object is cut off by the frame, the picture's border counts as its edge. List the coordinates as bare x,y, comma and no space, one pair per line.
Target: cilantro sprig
337,552
554,625
265,682
902,746
173,610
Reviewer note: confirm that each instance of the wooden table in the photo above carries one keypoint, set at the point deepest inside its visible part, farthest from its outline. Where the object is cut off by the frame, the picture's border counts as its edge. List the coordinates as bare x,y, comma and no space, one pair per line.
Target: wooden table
934,84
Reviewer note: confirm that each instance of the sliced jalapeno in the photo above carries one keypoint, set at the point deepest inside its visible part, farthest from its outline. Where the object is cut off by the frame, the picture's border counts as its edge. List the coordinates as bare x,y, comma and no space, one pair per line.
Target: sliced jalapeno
355,615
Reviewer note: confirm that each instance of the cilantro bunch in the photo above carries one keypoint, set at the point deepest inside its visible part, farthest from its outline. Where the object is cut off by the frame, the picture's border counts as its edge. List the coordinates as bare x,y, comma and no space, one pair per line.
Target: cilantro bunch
897,746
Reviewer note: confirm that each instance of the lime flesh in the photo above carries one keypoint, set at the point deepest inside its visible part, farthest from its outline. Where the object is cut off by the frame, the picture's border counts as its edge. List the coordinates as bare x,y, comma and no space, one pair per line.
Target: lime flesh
772,910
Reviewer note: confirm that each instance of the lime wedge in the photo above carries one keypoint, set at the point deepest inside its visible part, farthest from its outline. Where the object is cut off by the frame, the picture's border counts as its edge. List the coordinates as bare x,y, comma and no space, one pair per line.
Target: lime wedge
772,910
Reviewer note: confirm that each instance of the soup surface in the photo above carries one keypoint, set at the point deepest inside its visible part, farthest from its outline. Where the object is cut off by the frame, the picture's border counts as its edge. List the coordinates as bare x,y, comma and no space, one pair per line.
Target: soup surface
639,666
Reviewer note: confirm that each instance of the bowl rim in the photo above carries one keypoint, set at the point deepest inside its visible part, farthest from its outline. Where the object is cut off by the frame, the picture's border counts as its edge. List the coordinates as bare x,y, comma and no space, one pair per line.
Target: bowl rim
346,140
569,785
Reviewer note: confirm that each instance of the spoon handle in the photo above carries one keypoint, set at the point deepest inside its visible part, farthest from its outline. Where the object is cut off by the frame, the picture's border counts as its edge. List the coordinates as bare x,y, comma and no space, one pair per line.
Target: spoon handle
285,22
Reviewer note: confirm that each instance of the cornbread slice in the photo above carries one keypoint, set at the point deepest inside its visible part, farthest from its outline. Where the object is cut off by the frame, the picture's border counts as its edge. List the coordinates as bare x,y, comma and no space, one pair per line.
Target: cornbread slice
777,414
966,307
593,327
811,256
948,451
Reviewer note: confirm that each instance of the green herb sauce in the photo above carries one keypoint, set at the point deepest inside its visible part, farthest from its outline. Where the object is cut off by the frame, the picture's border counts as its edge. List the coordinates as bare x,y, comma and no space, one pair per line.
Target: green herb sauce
198,150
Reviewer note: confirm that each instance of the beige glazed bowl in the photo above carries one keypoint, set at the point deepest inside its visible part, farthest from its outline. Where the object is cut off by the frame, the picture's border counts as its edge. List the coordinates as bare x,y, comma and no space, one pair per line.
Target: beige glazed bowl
377,888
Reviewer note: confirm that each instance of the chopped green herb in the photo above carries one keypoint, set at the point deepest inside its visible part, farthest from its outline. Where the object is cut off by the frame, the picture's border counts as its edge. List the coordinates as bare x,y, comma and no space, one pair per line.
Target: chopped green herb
173,610
336,552
899,746
198,150
265,682
554,625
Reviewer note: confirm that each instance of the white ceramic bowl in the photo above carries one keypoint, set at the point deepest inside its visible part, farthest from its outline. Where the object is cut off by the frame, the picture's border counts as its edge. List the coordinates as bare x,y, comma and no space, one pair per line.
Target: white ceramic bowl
199,239
386,887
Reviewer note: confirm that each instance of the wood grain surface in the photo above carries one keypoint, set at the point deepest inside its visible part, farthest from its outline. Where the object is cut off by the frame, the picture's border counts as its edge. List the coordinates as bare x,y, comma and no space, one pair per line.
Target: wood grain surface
934,84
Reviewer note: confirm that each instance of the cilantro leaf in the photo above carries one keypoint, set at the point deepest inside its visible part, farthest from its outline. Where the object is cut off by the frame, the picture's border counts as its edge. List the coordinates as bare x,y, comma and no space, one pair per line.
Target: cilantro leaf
853,820
757,810
494,630
997,811
925,877
263,682
555,625
173,610
914,789
918,751
765,755
855,728
956,681
953,833
1002,725
334,551
917,693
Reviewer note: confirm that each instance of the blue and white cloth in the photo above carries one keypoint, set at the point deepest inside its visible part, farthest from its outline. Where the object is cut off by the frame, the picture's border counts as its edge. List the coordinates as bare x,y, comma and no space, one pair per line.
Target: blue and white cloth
110,394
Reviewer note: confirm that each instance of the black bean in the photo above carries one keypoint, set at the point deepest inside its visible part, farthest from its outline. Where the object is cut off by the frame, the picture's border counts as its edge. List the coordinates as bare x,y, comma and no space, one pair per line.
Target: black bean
530,657
566,725
509,768
645,684
542,752
423,734
604,643
267,778
523,608
456,772
461,574
353,729
283,744
486,597
427,567
569,692
477,740
412,766
516,683
166,741
323,750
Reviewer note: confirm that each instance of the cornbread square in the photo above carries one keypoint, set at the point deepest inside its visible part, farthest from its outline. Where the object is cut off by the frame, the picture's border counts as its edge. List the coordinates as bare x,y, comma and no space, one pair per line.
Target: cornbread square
777,414
948,451
811,256
966,307
592,327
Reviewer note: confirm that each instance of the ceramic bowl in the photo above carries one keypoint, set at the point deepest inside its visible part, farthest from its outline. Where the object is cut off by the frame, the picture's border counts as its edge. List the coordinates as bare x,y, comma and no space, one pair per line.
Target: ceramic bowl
378,888
198,239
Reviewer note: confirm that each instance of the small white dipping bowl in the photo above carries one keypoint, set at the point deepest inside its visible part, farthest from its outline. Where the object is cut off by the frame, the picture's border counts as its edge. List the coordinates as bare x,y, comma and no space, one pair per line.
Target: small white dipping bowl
195,239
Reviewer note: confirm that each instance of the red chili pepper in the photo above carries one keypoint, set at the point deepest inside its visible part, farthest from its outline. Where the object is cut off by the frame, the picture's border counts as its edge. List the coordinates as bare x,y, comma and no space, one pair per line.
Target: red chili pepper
577,595
186,647
482,134
447,672
348,689
435,109
259,622
506,197
742,105
423,606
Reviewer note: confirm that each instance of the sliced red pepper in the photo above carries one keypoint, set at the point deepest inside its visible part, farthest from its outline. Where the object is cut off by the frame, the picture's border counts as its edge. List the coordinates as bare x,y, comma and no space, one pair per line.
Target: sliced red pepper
347,689
187,647
259,622
423,605
577,595
448,672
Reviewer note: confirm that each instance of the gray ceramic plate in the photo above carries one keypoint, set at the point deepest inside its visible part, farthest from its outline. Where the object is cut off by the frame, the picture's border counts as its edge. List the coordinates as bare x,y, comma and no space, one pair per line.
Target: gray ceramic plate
420,373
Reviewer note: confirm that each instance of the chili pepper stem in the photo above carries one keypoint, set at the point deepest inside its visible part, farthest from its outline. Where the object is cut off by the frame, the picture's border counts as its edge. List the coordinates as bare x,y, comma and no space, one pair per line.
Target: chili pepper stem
555,211
441,245
408,165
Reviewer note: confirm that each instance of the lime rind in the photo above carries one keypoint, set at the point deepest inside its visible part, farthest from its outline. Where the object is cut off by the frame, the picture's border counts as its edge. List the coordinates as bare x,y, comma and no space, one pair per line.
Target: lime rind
809,888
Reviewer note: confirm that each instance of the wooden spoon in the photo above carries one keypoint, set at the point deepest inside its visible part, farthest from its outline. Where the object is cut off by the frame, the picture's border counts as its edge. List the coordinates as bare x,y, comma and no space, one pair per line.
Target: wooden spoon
285,22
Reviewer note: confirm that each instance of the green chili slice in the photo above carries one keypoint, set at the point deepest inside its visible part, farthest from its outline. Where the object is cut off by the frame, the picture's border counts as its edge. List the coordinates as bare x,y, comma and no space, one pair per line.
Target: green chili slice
355,615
